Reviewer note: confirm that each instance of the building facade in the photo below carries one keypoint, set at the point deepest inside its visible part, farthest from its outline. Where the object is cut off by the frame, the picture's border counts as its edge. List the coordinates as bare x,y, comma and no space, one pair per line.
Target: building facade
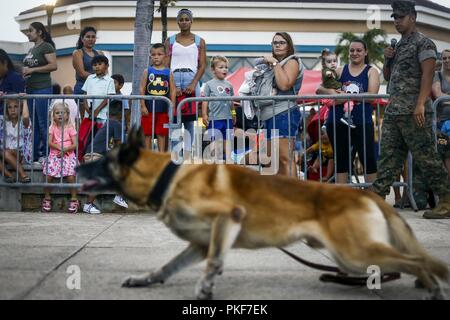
240,30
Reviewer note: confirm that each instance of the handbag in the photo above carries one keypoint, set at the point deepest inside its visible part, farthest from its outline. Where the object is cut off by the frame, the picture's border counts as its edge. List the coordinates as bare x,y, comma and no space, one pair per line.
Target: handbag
188,108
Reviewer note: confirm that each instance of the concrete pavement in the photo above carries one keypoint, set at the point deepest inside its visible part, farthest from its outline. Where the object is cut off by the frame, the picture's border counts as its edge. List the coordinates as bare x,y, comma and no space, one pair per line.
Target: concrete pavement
37,251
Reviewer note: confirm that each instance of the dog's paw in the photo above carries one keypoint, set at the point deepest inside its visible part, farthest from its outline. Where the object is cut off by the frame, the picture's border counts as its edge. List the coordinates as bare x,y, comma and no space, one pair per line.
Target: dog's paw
204,295
436,294
138,281
203,290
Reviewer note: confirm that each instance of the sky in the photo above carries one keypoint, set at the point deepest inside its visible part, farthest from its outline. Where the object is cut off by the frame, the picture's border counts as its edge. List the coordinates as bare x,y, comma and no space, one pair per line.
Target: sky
10,28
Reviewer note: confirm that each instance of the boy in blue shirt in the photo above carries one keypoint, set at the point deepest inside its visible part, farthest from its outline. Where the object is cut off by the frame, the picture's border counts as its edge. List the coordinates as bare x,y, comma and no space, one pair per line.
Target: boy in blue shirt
156,80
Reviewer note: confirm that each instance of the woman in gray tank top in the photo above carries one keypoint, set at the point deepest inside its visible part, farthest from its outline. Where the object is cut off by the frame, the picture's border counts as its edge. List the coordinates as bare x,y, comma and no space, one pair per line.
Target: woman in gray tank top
285,115
82,57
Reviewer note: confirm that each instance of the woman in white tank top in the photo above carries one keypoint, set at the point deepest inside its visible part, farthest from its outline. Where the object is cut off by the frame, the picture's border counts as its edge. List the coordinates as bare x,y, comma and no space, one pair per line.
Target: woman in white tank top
187,60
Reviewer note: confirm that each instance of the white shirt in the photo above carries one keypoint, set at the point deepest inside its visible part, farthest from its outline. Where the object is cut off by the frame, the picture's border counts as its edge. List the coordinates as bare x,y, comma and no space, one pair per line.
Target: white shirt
12,135
184,57
95,85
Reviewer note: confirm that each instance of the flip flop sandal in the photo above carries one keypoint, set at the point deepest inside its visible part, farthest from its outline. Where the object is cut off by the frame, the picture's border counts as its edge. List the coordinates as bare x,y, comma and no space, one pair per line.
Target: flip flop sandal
10,179
46,205
25,179
74,205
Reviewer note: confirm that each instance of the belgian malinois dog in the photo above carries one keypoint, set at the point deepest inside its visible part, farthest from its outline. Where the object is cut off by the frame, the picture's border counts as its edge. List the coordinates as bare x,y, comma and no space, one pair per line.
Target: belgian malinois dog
217,207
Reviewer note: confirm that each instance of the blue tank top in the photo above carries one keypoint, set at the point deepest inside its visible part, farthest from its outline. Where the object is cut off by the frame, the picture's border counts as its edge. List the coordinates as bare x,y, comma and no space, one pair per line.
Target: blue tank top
158,84
351,84
87,64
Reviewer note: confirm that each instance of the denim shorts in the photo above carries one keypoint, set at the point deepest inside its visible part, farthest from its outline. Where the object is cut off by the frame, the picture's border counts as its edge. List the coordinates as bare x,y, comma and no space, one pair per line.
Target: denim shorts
224,126
183,79
282,124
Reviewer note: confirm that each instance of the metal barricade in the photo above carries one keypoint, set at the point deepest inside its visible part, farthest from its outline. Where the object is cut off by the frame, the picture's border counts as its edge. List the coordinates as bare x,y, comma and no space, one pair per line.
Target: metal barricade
256,138
30,166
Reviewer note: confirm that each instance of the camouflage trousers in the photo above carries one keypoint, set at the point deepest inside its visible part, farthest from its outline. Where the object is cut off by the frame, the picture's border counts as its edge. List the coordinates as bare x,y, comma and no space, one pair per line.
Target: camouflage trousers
400,133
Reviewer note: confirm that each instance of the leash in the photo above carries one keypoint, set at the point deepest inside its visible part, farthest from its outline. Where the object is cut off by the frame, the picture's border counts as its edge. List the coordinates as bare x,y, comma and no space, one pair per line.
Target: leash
310,264
340,277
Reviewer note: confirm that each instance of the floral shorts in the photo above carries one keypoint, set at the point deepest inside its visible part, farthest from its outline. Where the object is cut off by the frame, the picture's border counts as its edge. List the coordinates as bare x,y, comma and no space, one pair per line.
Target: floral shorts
53,166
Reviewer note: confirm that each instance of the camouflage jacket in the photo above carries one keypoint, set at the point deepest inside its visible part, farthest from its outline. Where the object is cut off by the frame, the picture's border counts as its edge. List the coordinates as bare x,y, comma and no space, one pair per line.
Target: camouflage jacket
406,74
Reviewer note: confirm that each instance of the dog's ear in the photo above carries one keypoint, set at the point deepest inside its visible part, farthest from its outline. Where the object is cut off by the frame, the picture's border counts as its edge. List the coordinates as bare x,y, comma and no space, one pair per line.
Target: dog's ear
136,136
129,152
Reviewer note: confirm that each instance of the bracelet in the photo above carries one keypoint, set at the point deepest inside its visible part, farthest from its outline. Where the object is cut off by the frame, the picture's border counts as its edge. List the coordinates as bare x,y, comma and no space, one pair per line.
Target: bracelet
233,112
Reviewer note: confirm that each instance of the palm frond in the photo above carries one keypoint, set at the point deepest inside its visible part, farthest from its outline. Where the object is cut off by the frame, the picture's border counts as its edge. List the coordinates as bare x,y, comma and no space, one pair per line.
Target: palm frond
375,40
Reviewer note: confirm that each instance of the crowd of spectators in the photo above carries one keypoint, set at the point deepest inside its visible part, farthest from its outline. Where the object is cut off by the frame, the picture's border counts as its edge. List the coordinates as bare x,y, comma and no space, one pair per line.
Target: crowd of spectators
29,128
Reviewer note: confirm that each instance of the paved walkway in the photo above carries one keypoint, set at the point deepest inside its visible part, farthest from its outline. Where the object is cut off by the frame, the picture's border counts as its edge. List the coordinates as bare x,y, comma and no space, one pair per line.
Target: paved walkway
37,251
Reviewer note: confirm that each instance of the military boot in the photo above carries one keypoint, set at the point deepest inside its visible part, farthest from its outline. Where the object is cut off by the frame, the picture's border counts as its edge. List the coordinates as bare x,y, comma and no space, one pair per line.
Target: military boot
441,211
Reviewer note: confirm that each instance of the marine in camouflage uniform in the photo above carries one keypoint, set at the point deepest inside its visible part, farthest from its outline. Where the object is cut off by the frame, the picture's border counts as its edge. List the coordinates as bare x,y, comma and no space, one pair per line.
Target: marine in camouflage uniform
404,128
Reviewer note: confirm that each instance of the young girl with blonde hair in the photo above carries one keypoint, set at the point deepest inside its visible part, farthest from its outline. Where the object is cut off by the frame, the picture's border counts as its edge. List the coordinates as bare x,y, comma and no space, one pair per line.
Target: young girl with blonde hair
61,160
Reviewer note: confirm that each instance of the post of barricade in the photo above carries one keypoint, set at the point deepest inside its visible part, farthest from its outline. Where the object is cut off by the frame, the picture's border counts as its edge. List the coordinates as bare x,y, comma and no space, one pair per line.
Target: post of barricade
319,135
364,140
175,130
410,183
434,121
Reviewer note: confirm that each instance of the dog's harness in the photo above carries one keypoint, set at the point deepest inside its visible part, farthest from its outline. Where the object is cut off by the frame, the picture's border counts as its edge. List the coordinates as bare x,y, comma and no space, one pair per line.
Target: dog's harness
340,277
156,196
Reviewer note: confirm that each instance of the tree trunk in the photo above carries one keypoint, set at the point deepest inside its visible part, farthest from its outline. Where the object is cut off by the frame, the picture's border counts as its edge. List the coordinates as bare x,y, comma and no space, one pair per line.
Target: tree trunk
164,22
143,27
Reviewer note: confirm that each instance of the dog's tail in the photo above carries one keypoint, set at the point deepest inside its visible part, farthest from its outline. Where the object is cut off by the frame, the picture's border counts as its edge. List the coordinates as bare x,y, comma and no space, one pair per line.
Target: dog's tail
404,240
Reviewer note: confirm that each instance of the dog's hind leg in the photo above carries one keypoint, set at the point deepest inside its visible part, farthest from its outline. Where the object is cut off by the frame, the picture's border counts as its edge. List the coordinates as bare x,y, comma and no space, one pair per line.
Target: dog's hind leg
189,256
224,231
389,259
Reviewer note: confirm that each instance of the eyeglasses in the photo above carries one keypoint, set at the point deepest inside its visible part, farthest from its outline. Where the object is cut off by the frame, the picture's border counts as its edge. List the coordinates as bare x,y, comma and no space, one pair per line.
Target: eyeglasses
279,43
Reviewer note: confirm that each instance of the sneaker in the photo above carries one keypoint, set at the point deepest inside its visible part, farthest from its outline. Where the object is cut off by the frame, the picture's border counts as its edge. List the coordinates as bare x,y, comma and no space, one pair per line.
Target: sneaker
238,155
120,201
348,122
91,208
74,205
46,205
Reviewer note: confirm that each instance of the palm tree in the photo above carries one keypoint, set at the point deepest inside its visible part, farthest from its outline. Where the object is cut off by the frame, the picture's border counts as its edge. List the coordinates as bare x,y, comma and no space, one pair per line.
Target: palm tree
375,40
163,4
143,27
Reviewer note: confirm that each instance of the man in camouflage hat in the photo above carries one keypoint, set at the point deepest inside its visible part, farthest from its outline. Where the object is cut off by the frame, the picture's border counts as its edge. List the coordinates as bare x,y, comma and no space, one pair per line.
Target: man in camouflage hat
407,123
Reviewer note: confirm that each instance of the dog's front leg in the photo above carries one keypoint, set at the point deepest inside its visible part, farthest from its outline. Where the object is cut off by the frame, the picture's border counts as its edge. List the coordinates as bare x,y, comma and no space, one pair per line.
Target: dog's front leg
192,254
224,231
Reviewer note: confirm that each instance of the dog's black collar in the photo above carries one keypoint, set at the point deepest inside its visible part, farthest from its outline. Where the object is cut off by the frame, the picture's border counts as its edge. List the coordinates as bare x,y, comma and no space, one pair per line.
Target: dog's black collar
156,196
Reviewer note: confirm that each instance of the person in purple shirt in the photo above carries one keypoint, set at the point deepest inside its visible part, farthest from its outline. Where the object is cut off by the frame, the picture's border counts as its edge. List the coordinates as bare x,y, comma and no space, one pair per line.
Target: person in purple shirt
10,80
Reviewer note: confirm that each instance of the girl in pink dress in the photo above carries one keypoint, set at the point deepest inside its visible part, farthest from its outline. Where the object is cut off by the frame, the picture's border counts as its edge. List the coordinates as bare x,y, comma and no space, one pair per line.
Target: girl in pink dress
61,161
